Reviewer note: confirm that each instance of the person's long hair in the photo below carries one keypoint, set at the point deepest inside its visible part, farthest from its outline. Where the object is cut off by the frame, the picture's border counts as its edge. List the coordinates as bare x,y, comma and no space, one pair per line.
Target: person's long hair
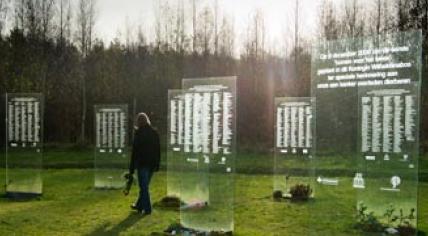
142,120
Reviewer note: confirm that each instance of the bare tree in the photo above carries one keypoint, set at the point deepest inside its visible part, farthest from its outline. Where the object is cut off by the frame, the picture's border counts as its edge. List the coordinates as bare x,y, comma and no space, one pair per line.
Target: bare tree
403,15
85,25
259,35
378,17
168,22
380,20
34,17
253,34
64,24
296,35
141,38
46,9
158,23
216,15
91,21
82,26
387,17
85,30
68,20
19,14
61,27
180,32
129,41
329,24
381,17
194,26
206,30
254,47
45,13
4,8
32,20
227,38
353,20
425,17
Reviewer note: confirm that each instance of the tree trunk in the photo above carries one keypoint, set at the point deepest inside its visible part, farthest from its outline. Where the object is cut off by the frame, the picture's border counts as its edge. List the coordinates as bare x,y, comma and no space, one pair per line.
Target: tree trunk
84,104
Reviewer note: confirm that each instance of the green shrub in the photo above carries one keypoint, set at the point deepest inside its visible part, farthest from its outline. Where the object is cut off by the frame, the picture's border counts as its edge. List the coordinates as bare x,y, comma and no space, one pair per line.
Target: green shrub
300,192
277,195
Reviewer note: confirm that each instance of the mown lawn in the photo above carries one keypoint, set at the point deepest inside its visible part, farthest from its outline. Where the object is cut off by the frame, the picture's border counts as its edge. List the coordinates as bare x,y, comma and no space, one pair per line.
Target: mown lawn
71,206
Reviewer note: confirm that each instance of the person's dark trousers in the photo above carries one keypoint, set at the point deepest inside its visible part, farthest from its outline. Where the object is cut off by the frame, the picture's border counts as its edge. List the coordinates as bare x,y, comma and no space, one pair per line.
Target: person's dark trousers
143,202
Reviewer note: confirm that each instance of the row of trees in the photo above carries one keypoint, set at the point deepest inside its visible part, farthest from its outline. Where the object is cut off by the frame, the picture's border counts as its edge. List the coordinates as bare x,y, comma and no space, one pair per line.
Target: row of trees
52,47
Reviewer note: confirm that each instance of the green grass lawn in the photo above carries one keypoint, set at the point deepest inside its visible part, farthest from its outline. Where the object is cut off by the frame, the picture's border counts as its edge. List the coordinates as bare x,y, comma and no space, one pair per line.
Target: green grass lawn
71,206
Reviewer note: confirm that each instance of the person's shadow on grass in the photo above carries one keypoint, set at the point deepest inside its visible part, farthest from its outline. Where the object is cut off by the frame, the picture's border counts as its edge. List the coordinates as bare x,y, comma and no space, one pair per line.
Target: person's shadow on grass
125,224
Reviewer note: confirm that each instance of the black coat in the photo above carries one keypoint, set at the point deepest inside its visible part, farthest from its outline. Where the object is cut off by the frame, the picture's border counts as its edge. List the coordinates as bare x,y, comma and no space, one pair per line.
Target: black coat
145,149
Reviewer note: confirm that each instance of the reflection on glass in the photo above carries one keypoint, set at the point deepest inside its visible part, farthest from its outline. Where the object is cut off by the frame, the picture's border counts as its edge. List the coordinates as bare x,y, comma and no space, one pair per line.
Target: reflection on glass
24,144
294,150
111,137
367,93
208,144
388,144
175,141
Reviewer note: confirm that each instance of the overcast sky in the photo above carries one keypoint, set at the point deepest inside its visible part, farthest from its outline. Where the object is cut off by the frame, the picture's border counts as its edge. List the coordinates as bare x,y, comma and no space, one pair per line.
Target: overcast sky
113,15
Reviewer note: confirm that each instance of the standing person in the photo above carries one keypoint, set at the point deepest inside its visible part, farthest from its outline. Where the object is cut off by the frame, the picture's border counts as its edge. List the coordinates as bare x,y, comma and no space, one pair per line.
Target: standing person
145,159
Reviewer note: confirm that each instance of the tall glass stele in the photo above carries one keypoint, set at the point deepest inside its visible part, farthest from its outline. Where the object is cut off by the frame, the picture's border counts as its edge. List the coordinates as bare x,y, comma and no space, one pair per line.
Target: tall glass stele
388,142
111,139
207,174
175,141
294,151
367,94
24,144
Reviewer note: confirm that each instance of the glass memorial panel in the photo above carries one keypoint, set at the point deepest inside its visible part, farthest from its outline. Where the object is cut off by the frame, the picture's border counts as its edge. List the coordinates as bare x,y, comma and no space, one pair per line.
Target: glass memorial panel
360,155
24,147
207,176
389,111
111,145
336,135
294,152
175,141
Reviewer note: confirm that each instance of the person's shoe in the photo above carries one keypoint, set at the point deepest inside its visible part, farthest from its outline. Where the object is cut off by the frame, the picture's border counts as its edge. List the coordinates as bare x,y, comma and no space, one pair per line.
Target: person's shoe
146,213
135,208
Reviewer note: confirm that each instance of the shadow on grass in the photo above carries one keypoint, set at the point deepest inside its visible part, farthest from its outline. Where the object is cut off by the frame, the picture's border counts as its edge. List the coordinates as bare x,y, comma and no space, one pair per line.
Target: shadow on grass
124,225
20,197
